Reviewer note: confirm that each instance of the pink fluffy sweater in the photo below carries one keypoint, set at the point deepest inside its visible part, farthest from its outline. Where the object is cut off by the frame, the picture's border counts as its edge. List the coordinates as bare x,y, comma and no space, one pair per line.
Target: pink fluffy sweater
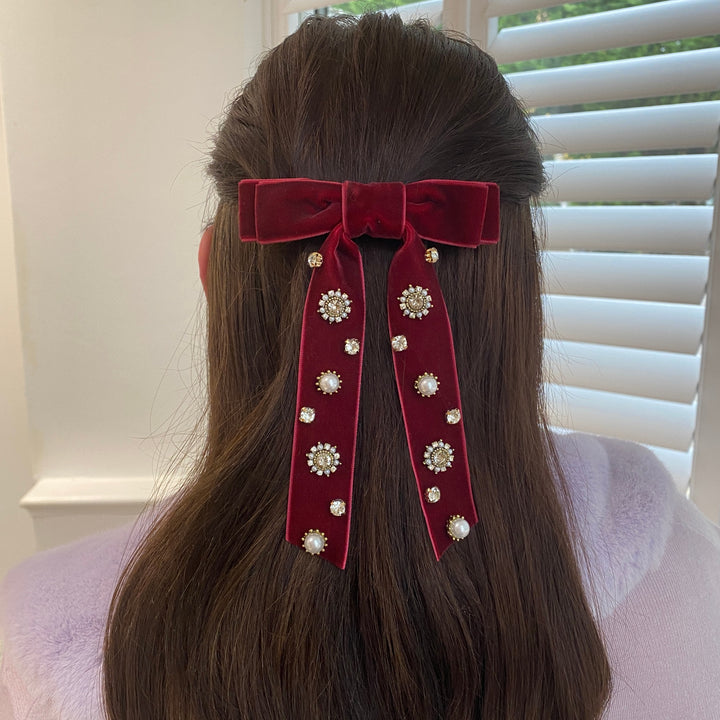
654,576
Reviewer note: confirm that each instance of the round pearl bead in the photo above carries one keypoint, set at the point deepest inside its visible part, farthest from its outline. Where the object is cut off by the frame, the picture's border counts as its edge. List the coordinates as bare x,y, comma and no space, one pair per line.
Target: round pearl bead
427,385
459,528
314,543
329,382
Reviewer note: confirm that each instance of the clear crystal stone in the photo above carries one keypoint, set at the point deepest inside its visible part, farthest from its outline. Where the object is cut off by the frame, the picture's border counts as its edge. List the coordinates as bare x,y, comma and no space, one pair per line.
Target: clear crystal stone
337,507
399,343
452,417
432,494
307,414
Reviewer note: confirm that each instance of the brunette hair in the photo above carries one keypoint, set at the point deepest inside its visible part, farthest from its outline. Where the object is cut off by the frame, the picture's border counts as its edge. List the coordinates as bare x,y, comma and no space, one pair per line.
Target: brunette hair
217,617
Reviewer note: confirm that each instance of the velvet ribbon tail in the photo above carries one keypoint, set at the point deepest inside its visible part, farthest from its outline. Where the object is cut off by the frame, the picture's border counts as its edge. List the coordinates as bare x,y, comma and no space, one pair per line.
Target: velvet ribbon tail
430,349
322,348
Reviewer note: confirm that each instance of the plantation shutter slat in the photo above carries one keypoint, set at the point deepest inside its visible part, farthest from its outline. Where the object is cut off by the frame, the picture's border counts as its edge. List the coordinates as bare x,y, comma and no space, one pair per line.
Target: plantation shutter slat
643,420
640,25
630,371
631,228
662,278
668,327
664,178
658,75
657,127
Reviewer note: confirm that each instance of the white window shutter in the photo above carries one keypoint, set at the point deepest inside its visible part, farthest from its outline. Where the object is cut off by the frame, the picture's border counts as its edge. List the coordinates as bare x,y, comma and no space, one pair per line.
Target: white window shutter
626,284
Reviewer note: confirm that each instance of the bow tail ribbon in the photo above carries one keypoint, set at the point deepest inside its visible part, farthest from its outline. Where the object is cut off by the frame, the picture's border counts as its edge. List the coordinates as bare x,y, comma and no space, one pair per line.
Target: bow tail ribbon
323,455
433,423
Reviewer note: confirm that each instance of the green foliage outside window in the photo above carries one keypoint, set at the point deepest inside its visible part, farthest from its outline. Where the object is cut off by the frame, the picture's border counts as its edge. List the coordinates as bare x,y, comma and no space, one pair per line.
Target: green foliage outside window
358,7
568,10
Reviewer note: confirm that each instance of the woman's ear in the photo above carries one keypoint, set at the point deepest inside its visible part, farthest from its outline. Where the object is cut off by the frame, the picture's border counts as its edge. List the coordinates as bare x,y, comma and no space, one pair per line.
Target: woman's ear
204,255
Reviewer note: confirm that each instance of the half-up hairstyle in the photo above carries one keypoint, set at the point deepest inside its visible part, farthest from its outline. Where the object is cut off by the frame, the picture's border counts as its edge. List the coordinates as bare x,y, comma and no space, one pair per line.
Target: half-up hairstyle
217,617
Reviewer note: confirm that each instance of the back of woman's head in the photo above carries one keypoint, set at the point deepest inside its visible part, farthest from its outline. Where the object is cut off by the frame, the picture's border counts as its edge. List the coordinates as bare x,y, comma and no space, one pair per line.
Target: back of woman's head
218,616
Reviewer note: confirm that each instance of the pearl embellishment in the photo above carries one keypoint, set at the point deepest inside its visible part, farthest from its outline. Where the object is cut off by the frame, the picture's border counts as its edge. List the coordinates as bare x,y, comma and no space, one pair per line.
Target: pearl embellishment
427,384
314,542
328,382
458,528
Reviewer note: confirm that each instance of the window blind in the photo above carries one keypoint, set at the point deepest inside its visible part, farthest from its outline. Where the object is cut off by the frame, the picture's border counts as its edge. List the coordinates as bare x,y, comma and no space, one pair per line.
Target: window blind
628,212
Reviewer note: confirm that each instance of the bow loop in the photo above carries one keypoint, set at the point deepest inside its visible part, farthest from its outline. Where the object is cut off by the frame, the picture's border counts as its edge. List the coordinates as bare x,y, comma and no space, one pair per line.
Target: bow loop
375,209
282,210
454,212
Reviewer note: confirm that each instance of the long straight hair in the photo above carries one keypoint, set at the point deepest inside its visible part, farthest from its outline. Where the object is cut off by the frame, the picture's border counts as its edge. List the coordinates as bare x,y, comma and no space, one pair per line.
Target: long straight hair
217,617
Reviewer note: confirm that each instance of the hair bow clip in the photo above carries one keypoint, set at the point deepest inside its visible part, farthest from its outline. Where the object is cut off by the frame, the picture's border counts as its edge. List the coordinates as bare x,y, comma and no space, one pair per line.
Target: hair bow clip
450,212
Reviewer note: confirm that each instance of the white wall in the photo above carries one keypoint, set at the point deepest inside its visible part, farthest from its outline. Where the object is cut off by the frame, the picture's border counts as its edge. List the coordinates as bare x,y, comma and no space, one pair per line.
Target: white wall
16,538
108,107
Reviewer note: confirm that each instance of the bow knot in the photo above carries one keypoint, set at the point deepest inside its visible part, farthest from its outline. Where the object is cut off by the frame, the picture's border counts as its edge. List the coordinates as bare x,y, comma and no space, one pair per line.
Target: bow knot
375,209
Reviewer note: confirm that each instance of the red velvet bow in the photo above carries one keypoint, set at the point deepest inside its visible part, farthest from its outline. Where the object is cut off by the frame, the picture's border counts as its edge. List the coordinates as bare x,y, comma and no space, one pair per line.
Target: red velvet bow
323,458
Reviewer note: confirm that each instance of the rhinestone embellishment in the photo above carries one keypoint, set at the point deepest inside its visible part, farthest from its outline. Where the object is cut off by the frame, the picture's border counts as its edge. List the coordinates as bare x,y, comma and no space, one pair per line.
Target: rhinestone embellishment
427,384
452,417
323,459
328,382
337,508
438,456
307,414
399,343
432,494
352,346
334,306
458,528
432,255
314,542
315,259
415,302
